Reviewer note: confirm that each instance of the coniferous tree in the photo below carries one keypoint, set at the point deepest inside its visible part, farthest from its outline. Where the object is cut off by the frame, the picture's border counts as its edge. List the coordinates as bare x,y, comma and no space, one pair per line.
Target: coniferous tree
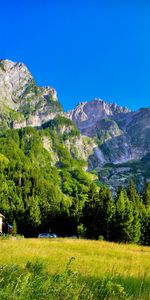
120,215
127,222
136,225
146,216
146,228
132,193
146,195
90,214
106,211
137,212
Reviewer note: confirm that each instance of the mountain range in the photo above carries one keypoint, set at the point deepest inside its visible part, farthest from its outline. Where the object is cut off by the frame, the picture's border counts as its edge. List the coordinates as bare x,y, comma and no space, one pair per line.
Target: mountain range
113,141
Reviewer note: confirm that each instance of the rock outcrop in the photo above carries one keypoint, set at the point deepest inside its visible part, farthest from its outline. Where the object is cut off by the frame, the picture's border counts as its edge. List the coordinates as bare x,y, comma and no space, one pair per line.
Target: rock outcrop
20,94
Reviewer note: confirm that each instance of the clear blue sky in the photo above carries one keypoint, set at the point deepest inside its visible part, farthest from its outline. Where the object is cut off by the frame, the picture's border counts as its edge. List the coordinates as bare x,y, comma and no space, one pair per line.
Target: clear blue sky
84,49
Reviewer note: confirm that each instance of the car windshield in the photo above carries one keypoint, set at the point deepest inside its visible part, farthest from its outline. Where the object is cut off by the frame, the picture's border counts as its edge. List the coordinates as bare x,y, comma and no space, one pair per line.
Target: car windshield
43,234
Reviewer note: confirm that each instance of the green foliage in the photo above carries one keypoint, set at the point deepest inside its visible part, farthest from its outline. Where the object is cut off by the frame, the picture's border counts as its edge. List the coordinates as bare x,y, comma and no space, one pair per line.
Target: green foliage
81,231
127,220
146,195
39,193
8,116
107,211
132,193
33,191
58,123
98,212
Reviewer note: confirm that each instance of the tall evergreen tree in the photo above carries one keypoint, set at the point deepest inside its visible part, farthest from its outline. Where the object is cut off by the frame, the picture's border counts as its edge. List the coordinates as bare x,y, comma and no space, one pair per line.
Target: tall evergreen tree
127,222
90,213
132,193
146,216
136,225
106,211
98,212
146,228
120,215
146,194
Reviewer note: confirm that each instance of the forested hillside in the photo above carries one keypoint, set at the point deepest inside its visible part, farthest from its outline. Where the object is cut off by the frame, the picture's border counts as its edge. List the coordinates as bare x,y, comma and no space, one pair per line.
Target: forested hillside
40,188
53,165
43,187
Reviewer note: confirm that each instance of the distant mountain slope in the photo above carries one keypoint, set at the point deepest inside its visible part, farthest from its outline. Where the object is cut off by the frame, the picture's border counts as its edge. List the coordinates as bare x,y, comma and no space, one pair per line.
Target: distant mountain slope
121,135
122,139
86,115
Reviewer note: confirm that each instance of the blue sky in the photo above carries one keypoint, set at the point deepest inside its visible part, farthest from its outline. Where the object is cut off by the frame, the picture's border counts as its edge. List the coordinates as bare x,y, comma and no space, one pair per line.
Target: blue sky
84,49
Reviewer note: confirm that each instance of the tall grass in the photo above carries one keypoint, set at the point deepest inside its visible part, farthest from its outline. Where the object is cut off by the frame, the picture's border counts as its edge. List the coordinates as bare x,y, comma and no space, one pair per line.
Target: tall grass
73,269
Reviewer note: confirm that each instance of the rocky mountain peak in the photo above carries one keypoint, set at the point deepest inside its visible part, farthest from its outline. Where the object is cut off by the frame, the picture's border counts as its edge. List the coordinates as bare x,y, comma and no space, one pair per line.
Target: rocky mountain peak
19,93
86,114
14,79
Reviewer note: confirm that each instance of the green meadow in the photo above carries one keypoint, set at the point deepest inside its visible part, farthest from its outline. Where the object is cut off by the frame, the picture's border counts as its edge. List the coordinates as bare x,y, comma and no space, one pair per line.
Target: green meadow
73,269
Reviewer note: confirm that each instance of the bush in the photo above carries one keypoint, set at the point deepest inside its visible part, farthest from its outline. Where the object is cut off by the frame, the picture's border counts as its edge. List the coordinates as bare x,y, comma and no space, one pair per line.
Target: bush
81,231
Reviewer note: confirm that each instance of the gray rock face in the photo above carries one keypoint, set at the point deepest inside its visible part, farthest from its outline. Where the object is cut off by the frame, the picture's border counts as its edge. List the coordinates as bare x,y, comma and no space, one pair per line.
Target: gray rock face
87,114
14,79
121,135
134,141
122,140
19,93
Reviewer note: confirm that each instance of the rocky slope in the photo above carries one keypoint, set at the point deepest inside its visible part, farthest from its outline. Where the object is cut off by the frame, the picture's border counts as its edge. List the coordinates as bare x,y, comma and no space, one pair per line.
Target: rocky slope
122,139
87,115
22,102
121,135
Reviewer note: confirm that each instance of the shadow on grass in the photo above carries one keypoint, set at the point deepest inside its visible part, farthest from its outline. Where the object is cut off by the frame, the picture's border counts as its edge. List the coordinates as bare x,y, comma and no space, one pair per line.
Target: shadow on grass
34,282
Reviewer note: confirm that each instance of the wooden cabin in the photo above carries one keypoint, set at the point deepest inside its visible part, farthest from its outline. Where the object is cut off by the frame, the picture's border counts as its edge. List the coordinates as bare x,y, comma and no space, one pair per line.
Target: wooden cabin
1,223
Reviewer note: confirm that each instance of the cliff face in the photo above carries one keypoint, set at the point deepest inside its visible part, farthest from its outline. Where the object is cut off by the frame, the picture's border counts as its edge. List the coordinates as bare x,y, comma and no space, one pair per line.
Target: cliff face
19,94
87,115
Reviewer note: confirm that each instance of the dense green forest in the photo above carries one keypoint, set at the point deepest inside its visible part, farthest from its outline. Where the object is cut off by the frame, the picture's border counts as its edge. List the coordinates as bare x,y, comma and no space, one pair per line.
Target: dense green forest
43,190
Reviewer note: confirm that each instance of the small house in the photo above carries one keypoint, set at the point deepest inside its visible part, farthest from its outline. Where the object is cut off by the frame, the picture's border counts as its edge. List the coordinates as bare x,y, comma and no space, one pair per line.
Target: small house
1,223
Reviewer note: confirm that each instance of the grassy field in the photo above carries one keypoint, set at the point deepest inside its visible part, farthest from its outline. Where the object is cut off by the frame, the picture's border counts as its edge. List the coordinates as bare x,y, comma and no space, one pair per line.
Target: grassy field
73,269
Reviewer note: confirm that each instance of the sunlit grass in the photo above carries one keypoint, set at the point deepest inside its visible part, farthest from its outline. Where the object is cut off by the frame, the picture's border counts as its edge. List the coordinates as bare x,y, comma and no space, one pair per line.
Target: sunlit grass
127,264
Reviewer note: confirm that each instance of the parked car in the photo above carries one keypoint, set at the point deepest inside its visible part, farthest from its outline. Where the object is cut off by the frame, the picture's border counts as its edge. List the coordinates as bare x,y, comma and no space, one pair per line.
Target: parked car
47,235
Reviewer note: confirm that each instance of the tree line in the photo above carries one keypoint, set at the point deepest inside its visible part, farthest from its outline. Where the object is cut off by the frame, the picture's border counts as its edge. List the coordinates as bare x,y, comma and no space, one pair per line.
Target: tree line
123,218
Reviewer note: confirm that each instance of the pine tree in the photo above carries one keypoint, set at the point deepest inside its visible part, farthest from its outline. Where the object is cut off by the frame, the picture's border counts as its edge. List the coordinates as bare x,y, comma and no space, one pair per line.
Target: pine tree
127,227
106,211
146,216
120,215
146,239
146,195
132,193
136,225
90,213
128,222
